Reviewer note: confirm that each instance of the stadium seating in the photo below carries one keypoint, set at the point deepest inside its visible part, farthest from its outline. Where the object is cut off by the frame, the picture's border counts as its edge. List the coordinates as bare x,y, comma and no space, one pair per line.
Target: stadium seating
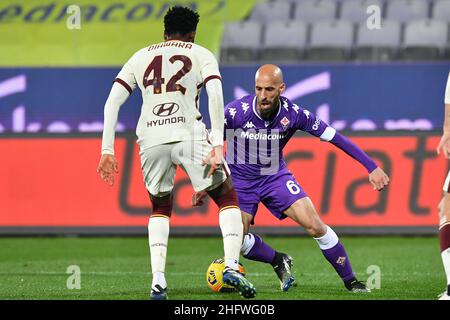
270,11
407,10
315,10
241,42
356,10
425,39
284,41
441,10
330,41
336,30
378,44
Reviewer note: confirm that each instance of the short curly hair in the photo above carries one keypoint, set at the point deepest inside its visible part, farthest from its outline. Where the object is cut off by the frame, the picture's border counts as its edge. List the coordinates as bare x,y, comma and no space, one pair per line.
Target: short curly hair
180,20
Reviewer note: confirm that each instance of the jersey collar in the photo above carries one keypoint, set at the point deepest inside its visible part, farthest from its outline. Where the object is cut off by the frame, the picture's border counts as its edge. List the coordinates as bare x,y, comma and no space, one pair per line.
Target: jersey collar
266,123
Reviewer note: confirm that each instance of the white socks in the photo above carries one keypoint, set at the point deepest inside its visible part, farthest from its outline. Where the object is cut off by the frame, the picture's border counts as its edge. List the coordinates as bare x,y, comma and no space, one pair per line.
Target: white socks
328,240
158,278
444,240
247,244
158,237
230,221
446,261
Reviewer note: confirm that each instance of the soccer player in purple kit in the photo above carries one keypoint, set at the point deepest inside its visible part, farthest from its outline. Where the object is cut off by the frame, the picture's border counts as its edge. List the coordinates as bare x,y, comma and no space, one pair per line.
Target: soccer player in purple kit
257,127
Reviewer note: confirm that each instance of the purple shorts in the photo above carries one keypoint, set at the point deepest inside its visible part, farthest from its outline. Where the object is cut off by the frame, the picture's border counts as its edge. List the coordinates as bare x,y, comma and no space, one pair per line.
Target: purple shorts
277,192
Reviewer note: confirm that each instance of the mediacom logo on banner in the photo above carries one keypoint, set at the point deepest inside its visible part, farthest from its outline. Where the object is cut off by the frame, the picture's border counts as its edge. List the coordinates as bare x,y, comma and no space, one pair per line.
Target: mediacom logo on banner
92,11
335,182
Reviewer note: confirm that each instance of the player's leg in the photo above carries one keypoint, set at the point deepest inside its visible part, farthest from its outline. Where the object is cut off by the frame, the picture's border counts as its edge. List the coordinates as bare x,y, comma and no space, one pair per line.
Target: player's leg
158,238
159,173
230,220
303,212
232,229
283,196
221,190
444,234
253,247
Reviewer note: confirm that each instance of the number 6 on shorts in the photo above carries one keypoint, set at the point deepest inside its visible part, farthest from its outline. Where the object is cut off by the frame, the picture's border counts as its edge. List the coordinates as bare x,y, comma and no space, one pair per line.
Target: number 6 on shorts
293,187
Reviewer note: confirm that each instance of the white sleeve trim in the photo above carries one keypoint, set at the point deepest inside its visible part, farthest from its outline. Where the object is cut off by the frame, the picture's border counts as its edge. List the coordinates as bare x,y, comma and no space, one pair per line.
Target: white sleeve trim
328,134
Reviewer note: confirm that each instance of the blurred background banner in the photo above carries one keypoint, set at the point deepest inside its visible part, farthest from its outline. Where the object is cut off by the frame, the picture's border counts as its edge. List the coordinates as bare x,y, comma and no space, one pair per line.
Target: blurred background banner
352,97
35,32
49,185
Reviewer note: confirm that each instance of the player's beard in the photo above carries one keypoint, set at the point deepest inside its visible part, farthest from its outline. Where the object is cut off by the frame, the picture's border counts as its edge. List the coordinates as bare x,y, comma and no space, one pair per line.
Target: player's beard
267,113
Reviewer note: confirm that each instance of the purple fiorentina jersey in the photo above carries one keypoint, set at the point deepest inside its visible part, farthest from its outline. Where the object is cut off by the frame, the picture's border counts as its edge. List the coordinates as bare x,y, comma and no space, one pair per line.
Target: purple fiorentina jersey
258,145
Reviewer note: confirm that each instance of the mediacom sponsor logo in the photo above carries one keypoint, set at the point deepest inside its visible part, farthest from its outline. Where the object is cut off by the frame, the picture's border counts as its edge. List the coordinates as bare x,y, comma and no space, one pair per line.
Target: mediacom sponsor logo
275,135
99,11
337,184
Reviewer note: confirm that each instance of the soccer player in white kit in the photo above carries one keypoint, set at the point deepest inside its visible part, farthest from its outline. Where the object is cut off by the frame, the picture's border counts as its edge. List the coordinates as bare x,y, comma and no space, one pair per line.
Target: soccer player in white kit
444,205
170,132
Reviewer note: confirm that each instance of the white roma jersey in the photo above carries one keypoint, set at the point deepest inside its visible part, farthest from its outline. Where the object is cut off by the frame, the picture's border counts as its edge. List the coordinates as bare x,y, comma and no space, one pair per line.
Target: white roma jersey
170,75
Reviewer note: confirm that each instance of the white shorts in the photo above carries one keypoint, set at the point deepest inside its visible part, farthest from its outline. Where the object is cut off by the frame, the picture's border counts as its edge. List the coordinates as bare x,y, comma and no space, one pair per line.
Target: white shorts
446,183
159,164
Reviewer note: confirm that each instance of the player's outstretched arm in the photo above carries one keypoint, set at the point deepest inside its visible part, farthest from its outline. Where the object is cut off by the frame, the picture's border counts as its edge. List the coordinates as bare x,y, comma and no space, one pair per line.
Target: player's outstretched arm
308,122
216,114
444,143
198,198
214,159
108,165
379,179
216,111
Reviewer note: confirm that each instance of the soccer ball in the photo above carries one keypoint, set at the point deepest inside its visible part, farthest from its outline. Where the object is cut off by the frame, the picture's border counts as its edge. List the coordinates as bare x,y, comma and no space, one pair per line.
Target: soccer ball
214,276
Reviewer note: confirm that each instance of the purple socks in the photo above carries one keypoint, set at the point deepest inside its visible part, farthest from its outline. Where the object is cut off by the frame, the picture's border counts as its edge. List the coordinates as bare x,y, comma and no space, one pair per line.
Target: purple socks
334,252
254,248
338,258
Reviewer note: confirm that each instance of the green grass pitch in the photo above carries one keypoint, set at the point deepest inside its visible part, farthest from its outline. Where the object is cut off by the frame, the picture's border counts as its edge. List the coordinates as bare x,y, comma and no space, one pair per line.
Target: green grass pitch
119,268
